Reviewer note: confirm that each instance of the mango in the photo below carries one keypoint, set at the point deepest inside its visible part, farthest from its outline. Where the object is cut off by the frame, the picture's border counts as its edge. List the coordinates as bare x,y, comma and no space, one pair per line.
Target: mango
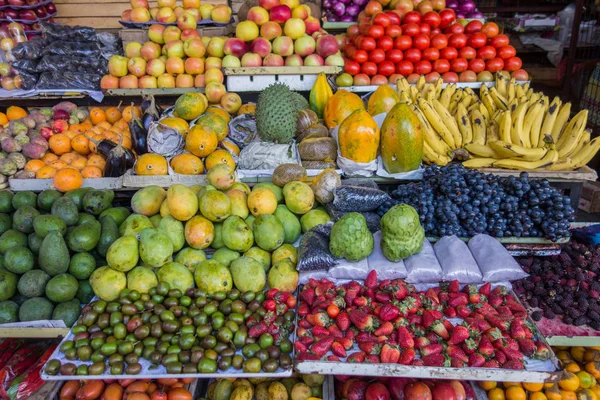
217,242
176,275
239,203
221,176
283,276
156,248
141,279
205,189
199,232
174,229
155,219
147,201
123,254
237,235
248,274
291,224
268,232
260,255
273,188
262,201
299,197
182,202
313,218
134,225
225,256
283,252
242,187
215,205
164,208
119,214
212,277
108,283
190,257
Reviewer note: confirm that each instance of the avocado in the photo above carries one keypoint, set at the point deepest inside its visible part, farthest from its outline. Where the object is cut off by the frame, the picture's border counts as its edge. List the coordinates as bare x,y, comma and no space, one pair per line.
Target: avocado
65,209
34,242
6,197
77,196
36,309
82,218
109,233
5,223
68,311
85,236
61,288
18,260
8,284
12,238
54,255
82,265
85,293
33,283
24,199
43,224
291,224
9,311
47,198
23,218
119,214
96,201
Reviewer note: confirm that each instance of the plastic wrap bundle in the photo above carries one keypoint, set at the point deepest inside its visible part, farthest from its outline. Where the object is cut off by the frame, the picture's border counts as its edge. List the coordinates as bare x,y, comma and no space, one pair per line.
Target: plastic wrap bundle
66,33
456,260
313,252
164,140
423,267
319,149
68,80
373,219
31,50
355,198
345,269
365,183
494,261
242,130
384,267
25,65
73,64
262,155
318,164
73,49
29,80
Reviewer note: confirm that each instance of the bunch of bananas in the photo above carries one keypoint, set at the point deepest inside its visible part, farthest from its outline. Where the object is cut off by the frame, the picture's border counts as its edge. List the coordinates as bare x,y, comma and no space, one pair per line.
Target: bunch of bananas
507,126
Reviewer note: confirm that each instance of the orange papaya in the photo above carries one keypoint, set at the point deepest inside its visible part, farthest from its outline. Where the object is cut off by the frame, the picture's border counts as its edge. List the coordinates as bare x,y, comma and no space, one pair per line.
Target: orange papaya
401,140
358,137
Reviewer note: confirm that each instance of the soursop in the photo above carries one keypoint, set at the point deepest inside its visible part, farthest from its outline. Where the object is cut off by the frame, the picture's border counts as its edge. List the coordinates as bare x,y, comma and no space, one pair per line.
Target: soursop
300,102
401,233
276,114
350,238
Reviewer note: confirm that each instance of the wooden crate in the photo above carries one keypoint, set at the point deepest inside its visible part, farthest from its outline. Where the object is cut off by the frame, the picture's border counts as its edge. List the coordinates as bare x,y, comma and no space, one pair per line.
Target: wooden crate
590,197
141,35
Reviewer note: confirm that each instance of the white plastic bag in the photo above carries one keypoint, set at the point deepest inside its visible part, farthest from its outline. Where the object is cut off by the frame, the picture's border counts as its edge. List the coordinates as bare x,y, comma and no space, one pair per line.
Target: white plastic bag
385,268
423,267
494,261
457,261
349,270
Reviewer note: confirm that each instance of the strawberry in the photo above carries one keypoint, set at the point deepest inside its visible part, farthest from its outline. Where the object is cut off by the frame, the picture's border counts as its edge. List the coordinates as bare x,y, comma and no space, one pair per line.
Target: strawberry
319,319
432,295
456,363
390,354
485,289
303,309
335,331
428,319
476,360
300,347
383,297
499,291
485,347
351,333
371,280
453,286
312,282
338,349
258,329
405,339
439,328
333,358
363,321
347,343
415,319
366,337
399,290
306,340
388,312
517,330
385,328
308,295
512,354
500,322
436,360
322,346
500,357
320,331
432,337
372,359
491,364
351,294
450,312
370,348
342,321
514,364
463,311
407,357
361,301
456,352
510,344
460,299
495,301
460,333
542,352
358,357
307,356
421,342
478,323
469,346
432,349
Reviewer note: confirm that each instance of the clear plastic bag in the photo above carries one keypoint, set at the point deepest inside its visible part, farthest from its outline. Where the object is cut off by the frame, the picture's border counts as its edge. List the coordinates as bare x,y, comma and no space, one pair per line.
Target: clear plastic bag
384,267
365,183
31,50
29,81
164,140
242,130
262,155
494,261
70,49
313,252
25,65
68,33
424,266
354,198
68,80
319,149
457,261
349,270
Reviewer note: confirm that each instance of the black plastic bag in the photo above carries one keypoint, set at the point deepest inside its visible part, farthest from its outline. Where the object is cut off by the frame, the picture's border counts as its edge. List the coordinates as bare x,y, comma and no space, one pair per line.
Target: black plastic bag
31,50
29,81
373,219
71,49
313,252
29,66
68,33
359,199
51,63
69,80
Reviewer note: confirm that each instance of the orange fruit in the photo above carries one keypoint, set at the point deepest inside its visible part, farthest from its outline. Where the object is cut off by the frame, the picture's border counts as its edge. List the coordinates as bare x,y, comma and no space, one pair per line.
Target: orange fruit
60,144
130,111
577,353
68,158
81,144
569,381
15,112
496,394
219,157
568,395
533,387
45,172
3,119
199,232
538,396
585,379
34,165
58,164
49,157
79,163
113,114
104,125
487,385
96,160
187,164
572,367
201,142
151,164
515,393
70,134
67,179
91,172
97,115
76,128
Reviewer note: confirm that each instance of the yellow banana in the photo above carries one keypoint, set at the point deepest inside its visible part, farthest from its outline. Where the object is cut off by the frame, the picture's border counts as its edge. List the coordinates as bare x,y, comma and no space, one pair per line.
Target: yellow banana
517,125
550,117
587,153
562,165
519,91
492,132
449,121
464,124
585,139
438,87
533,96
572,134
470,92
507,150
484,111
504,127
561,121
534,135
511,90
478,124
402,85
501,85
512,106
526,86
486,99
433,157
405,98
550,158
431,137
429,92
466,101
421,82
530,117
414,92
474,106
436,122
475,163
482,150
499,100
446,95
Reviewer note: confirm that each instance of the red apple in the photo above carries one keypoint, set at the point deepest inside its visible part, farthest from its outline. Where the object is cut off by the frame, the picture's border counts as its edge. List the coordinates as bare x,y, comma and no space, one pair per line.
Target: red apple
459,390
304,46
280,14
443,391
268,4
186,21
230,61
213,75
273,60
184,81
175,66
189,34
199,81
139,3
251,60
194,66
377,391
166,81
283,45
235,47
258,15
194,48
294,60
147,82
128,82
270,30
195,12
155,67
51,8
327,45
260,46
40,11
171,33
314,60
312,25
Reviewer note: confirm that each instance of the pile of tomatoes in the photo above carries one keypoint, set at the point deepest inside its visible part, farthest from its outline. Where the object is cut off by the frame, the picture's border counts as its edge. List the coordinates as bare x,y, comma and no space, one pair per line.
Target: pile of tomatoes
383,47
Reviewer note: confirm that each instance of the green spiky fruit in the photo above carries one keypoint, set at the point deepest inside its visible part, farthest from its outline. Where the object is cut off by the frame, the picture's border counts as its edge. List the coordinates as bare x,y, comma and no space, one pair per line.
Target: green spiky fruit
276,114
300,101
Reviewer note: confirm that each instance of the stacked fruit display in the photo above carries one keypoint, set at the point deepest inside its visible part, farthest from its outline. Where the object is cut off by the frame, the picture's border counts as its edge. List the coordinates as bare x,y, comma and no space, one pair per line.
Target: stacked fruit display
28,14
167,12
299,387
404,388
367,323
278,33
207,327
128,389
384,46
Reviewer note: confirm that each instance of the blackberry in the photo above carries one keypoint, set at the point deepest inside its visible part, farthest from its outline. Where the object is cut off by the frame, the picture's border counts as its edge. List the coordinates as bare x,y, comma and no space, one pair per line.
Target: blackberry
574,313
533,302
556,309
549,314
580,321
539,291
593,315
584,304
568,320
595,324
536,315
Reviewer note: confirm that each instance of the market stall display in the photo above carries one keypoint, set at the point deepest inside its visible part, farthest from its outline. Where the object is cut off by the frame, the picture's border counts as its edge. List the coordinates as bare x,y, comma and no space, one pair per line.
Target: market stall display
401,388
184,388
27,14
187,16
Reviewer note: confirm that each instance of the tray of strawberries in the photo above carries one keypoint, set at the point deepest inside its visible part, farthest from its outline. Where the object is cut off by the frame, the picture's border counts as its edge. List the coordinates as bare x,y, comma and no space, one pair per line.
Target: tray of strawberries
445,331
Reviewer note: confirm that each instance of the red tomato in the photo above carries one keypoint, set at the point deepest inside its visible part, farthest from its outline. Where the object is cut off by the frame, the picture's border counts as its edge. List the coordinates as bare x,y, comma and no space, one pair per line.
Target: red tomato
486,52
477,65
411,17
431,54
394,55
381,19
457,40
455,28
447,16
352,67
385,43
361,56
422,67
467,52
433,19
421,42
367,44
450,77
494,65
473,26
394,18
413,78
490,29
352,30
412,55
404,68
376,56
375,31
368,68
507,52
435,31
432,77
362,80
499,41
386,68
477,40
459,65
449,53
393,31
350,50
467,76
441,66
439,41
513,64
410,29
520,75
379,80
403,42
424,29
